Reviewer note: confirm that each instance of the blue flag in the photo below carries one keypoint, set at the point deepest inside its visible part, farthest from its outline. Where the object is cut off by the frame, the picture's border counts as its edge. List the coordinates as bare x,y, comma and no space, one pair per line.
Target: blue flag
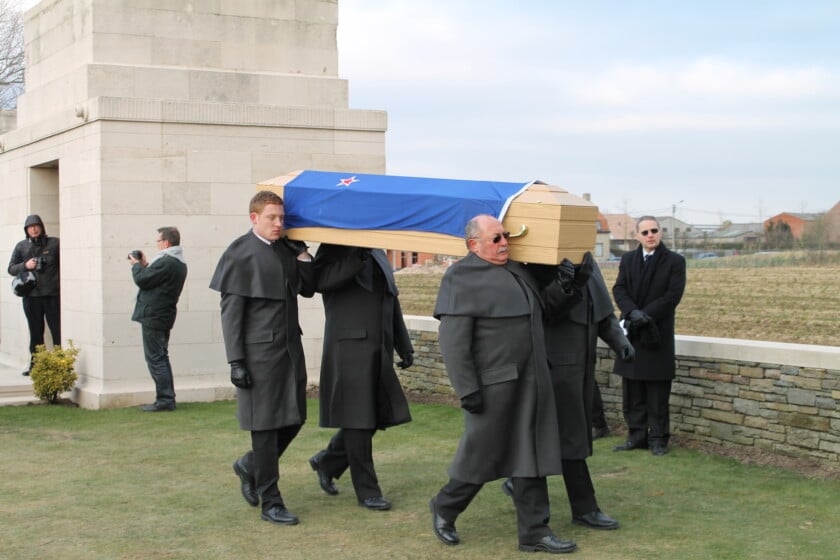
390,202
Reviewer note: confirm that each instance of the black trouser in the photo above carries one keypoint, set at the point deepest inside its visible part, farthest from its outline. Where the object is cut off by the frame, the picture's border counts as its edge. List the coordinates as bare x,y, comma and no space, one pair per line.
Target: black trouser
266,448
579,487
646,411
156,351
36,308
530,496
352,448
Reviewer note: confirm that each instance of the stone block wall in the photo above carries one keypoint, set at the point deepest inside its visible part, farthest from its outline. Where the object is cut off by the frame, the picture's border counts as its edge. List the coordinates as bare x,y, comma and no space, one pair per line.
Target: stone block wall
783,398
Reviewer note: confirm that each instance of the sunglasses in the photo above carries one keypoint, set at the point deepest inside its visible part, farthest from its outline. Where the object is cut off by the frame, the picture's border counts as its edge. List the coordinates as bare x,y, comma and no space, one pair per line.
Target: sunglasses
654,231
498,236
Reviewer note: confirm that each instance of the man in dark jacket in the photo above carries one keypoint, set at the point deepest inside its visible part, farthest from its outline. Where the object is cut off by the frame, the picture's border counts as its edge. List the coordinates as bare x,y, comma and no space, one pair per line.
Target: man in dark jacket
260,276
491,339
39,253
578,312
359,389
649,286
160,282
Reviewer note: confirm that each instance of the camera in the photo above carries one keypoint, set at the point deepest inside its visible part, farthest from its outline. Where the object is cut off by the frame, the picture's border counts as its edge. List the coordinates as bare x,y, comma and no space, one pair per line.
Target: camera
39,264
136,254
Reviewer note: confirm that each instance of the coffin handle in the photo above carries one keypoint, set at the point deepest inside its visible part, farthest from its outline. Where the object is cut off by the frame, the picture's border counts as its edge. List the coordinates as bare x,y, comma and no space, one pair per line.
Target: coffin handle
522,231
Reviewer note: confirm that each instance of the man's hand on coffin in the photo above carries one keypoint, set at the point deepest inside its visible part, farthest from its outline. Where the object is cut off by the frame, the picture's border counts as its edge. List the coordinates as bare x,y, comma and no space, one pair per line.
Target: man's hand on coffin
239,375
296,247
585,270
473,403
406,361
565,274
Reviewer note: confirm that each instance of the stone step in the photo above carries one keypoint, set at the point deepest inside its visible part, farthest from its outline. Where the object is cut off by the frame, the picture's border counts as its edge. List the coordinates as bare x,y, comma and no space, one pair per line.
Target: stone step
15,389
19,401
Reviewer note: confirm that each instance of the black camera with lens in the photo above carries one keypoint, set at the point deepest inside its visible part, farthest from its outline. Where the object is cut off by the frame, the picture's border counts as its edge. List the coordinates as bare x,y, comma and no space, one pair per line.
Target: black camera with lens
136,255
39,264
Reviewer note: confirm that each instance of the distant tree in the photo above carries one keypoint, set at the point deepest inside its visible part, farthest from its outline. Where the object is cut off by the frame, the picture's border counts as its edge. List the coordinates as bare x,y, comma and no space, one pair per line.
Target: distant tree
11,53
778,235
816,233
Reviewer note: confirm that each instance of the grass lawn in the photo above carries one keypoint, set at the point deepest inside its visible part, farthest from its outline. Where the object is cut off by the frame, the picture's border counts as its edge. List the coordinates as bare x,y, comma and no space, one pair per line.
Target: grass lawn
109,484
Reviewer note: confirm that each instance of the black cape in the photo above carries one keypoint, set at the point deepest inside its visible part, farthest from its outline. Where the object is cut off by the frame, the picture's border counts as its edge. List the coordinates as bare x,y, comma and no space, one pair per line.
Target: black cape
268,283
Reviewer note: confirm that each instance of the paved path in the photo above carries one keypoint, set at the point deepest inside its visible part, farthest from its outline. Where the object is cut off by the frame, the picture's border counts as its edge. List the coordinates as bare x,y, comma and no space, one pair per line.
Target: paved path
15,389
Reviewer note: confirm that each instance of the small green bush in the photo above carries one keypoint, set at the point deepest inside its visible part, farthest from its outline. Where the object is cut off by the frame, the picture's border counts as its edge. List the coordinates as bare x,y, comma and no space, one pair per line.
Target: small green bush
52,371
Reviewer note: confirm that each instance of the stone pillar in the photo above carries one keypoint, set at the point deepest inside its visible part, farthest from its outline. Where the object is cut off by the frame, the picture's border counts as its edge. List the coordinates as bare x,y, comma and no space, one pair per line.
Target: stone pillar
141,115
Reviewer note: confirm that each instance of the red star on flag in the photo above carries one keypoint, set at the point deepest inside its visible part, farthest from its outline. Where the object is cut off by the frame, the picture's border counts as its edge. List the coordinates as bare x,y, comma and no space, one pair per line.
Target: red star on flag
347,182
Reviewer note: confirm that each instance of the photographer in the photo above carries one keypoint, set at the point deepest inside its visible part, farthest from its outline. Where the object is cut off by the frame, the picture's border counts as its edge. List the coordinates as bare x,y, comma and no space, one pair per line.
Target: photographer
40,254
160,282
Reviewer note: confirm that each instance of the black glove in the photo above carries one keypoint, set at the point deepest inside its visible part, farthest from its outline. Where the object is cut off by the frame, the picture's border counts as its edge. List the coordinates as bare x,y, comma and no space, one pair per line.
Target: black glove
296,247
239,375
565,274
406,361
585,270
626,352
638,317
473,403
364,254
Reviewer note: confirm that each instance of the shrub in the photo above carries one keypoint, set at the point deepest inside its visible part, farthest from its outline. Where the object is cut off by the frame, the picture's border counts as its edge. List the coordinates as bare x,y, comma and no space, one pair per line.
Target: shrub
52,371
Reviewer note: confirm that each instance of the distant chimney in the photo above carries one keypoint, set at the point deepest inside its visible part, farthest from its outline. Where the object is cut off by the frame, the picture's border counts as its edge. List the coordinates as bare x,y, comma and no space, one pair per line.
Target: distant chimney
587,197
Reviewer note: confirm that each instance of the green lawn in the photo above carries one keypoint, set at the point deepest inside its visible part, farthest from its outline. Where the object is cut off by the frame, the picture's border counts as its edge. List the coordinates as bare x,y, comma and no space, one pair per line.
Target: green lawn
124,484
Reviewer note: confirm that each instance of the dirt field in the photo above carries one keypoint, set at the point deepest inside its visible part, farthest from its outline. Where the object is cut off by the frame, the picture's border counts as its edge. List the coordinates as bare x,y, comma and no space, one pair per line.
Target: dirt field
797,304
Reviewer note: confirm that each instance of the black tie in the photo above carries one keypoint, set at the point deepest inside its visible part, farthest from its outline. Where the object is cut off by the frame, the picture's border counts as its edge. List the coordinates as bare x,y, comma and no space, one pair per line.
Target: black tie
647,258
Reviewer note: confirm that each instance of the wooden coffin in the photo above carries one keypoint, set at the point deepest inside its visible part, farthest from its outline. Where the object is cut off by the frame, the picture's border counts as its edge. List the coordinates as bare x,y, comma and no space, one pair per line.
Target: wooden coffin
547,224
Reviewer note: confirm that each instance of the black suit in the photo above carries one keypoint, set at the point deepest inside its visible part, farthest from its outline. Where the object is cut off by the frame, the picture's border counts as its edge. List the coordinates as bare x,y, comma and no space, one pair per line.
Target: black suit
656,288
359,389
491,339
259,283
574,320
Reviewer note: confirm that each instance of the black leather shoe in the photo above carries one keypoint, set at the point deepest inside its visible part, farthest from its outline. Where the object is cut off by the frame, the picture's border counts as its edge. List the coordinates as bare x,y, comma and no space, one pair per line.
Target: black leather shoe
377,503
444,530
598,433
280,515
550,544
157,407
659,450
246,484
507,487
325,480
596,520
25,373
629,446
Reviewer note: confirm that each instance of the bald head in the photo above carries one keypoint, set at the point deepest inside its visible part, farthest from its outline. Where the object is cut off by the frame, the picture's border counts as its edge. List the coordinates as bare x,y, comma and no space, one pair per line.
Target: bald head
487,238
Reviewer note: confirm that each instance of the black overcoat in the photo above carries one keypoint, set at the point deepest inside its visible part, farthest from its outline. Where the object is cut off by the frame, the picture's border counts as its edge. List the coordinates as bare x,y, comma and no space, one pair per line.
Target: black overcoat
359,388
259,285
491,339
656,289
573,323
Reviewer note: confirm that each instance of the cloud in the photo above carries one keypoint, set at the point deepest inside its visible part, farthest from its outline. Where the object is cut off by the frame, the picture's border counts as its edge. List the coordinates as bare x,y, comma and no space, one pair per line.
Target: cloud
723,79
737,80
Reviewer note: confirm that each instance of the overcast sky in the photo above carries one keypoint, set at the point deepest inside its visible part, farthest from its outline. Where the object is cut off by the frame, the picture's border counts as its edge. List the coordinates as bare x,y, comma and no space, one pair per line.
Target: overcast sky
726,109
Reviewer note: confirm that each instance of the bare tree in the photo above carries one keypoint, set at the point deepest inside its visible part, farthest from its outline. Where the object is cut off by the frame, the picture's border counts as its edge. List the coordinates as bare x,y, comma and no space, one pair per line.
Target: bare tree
11,53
